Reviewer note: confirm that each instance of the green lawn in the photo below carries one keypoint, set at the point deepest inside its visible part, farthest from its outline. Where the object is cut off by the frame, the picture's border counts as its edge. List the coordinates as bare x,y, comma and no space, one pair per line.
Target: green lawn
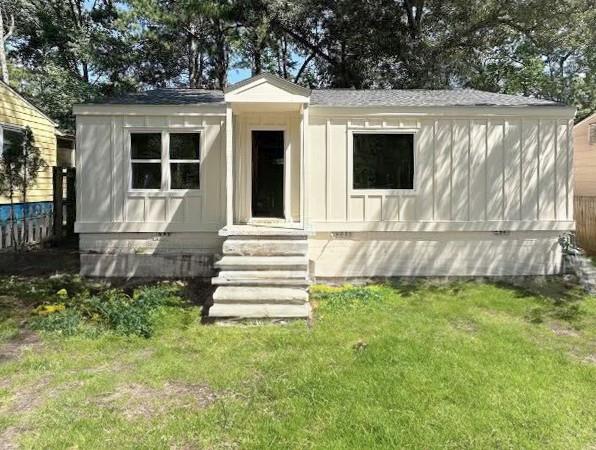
461,365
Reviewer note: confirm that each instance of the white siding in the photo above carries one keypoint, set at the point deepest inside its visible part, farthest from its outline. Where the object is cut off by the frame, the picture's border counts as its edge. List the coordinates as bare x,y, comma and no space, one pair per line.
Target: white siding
471,172
107,205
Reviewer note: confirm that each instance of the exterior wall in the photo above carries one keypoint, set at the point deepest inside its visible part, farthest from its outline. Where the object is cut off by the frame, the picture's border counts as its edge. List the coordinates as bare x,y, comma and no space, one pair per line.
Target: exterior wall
148,255
493,192
17,112
585,158
392,254
472,173
105,202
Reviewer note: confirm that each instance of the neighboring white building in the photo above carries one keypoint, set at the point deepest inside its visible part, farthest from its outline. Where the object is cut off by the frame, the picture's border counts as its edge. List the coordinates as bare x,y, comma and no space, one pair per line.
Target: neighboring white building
292,184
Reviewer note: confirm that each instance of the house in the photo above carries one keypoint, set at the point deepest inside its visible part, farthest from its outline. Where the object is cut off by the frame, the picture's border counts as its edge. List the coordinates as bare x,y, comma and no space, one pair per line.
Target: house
16,113
292,185
584,150
584,145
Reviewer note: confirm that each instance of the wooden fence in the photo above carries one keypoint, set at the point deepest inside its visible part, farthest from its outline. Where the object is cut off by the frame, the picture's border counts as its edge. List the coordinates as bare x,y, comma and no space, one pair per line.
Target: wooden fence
37,229
55,222
64,201
585,218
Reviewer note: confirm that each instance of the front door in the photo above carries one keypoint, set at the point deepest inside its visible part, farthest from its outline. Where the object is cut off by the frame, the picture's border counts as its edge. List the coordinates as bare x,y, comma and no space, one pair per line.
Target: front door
268,173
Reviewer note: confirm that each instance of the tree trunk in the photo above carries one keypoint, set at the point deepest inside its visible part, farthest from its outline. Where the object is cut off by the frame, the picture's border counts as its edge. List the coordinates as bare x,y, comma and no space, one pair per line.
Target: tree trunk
3,38
194,76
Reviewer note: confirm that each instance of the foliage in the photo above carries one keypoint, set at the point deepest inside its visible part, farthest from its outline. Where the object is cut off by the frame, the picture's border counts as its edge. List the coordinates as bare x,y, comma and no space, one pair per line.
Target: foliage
110,310
68,51
346,297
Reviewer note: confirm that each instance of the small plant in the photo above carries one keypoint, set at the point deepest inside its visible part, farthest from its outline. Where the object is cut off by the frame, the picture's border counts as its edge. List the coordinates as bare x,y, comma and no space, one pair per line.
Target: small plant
347,297
110,310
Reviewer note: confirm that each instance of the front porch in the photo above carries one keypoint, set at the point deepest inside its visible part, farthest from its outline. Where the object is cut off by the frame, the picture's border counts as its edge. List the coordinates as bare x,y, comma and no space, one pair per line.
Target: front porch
264,270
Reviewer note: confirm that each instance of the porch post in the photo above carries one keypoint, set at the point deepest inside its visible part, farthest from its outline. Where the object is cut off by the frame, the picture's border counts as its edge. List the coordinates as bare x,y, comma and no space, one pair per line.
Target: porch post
304,216
229,167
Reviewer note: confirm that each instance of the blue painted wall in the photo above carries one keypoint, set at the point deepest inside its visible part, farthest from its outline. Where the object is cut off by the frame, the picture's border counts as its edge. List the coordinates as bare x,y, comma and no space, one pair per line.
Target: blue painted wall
30,210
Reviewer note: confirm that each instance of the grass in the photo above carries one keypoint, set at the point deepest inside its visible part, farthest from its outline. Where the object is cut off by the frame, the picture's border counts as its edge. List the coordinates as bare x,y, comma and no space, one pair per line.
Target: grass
460,365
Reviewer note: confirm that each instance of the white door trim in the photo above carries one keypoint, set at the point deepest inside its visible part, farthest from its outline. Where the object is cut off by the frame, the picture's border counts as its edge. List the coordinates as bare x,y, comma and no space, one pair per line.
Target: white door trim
287,169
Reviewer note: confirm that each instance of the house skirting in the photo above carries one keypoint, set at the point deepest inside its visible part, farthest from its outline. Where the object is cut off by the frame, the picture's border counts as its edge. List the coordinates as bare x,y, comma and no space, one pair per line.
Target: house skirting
333,256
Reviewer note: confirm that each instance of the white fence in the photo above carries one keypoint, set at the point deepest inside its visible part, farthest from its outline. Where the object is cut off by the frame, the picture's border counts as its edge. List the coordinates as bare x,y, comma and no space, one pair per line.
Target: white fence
39,229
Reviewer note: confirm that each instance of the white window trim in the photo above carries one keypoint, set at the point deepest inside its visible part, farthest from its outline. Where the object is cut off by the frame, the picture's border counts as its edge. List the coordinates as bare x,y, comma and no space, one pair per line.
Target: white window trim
165,159
352,191
592,129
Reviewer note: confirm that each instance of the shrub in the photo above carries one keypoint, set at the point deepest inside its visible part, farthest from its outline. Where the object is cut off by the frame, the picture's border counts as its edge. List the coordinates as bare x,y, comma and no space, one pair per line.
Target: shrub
109,310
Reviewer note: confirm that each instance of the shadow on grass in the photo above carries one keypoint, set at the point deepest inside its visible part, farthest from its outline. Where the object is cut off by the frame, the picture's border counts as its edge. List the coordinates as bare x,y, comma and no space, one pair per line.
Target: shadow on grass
552,298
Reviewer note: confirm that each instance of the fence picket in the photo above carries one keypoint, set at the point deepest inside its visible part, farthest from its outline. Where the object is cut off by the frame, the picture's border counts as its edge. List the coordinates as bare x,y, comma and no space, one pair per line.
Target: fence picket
585,218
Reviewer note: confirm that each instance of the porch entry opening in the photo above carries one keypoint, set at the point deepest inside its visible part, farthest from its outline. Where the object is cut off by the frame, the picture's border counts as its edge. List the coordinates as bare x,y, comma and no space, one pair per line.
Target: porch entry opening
268,173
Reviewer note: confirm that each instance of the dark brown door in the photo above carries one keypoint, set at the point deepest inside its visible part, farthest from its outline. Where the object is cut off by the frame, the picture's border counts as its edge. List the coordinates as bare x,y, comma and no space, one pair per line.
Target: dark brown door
267,173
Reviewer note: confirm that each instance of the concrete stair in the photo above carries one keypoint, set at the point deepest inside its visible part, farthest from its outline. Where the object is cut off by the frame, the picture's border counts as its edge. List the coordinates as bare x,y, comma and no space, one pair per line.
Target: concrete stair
263,274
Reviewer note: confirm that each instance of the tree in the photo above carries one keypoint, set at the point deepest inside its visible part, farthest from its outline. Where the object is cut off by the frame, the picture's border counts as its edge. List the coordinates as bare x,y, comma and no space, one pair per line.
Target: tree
5,34
20,165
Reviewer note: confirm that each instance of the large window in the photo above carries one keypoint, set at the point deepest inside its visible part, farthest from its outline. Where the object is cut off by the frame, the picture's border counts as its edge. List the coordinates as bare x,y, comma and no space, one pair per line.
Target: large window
11,138
383,161
149,156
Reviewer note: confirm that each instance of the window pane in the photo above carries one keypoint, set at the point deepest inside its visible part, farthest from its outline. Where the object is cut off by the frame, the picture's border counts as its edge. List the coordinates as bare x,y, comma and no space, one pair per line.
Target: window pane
383,161
184,146
13,140
146,175
184,175
145,145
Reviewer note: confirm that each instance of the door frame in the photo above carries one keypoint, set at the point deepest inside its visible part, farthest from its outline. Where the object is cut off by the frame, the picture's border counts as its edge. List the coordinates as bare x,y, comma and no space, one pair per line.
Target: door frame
287,187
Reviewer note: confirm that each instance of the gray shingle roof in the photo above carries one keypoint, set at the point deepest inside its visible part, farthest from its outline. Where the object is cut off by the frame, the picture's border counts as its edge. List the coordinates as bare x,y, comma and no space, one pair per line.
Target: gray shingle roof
168,97
344,97
420,97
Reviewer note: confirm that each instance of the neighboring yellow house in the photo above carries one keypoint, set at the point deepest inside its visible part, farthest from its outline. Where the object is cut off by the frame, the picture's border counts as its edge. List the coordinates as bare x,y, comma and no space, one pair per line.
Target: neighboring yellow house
16,113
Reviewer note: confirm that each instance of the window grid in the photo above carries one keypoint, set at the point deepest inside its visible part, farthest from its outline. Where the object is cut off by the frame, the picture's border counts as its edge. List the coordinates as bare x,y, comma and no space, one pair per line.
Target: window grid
165,161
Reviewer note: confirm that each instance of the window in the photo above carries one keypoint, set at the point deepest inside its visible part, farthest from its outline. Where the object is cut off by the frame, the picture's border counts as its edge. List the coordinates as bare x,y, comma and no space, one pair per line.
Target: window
12,138
185,154
592,134
145,155
383,161
181,160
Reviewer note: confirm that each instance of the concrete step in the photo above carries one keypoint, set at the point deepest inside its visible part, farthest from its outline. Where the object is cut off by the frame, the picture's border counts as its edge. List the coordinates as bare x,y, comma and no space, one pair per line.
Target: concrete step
263,263
263,274
260,294
259,311
265,247
260,231
275,281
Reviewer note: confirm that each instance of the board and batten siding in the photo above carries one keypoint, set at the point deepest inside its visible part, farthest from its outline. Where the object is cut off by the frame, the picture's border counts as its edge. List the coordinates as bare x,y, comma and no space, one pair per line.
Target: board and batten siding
106,204
17,112
492,195
470,173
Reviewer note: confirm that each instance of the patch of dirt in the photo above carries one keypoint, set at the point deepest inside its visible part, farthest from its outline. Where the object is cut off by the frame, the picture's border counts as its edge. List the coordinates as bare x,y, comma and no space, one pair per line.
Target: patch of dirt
465,325
26,398
138,400
9,438
561,329
38,261
26,341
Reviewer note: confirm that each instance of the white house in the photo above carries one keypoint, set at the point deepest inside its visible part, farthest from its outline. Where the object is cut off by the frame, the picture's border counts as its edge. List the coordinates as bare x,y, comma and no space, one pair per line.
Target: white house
291,185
